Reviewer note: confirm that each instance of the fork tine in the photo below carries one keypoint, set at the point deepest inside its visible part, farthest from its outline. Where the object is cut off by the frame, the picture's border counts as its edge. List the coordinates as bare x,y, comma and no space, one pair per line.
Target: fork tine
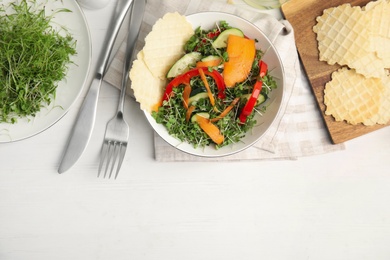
112,156
109,152
122,151
115,156
103,156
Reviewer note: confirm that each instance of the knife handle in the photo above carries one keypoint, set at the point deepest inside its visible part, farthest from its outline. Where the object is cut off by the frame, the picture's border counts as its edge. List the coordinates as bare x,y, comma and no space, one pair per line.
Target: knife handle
117,19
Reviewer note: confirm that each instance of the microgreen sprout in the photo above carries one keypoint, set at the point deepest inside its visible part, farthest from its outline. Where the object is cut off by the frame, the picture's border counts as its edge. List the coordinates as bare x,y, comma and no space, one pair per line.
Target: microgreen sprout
34,57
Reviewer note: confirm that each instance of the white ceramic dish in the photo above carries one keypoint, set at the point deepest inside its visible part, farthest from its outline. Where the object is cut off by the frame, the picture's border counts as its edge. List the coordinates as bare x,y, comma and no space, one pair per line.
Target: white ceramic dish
70,88
207,20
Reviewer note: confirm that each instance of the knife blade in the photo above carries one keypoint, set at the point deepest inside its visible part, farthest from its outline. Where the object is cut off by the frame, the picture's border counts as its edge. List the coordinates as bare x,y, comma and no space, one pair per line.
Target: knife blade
85,121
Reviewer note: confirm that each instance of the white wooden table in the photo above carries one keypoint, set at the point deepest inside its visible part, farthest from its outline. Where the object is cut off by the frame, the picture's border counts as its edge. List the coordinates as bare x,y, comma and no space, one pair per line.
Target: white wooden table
333,206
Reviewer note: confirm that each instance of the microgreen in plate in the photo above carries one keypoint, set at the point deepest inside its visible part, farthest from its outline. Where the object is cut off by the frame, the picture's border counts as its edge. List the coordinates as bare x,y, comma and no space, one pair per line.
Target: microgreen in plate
66,17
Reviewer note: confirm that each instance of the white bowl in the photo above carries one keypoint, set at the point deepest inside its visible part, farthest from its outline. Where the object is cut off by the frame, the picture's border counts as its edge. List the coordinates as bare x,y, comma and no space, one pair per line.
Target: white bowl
207,20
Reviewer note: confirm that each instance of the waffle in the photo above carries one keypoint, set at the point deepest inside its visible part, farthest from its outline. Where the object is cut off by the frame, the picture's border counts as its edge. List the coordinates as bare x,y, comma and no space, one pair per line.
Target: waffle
378,13
147,88
343,34
352,97
358,39
164,44
383,115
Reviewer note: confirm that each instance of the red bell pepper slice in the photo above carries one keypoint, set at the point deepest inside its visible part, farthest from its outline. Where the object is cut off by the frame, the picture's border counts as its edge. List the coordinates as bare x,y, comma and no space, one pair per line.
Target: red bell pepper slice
186,77
263,67
210,36
218,81
250,104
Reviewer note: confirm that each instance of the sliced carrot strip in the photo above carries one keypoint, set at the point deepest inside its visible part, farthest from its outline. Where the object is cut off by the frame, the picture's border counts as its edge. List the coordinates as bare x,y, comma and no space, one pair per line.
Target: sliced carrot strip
186,95
210,63
206,84
156,106
210,129
226,111
189,113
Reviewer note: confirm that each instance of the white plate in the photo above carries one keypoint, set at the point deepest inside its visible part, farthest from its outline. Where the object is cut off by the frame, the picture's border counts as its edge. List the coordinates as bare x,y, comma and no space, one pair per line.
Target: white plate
70,88
207,20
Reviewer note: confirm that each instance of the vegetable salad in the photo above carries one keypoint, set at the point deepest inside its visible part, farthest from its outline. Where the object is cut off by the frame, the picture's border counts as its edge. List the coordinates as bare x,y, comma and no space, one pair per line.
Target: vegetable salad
216,88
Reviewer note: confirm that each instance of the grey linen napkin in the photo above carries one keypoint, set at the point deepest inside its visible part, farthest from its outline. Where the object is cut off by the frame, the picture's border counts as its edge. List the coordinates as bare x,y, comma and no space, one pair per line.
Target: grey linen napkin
298,129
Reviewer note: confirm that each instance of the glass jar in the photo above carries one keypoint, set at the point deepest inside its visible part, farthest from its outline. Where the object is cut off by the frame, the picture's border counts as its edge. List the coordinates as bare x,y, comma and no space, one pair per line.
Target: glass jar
93,4
265,4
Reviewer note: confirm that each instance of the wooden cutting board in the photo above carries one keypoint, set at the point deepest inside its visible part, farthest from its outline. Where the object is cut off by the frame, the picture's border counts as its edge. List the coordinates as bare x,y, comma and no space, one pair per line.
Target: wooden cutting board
302,14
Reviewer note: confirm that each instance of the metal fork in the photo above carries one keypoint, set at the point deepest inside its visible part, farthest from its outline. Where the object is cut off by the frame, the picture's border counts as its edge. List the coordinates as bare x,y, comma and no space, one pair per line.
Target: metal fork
117,130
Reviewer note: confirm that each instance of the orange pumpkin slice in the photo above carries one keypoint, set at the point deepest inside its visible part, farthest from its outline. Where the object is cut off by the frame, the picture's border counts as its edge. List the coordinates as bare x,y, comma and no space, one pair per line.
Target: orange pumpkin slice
241,53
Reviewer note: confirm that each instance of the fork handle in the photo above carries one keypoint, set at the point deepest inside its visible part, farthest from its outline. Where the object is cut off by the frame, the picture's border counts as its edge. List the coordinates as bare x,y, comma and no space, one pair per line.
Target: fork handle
135,19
